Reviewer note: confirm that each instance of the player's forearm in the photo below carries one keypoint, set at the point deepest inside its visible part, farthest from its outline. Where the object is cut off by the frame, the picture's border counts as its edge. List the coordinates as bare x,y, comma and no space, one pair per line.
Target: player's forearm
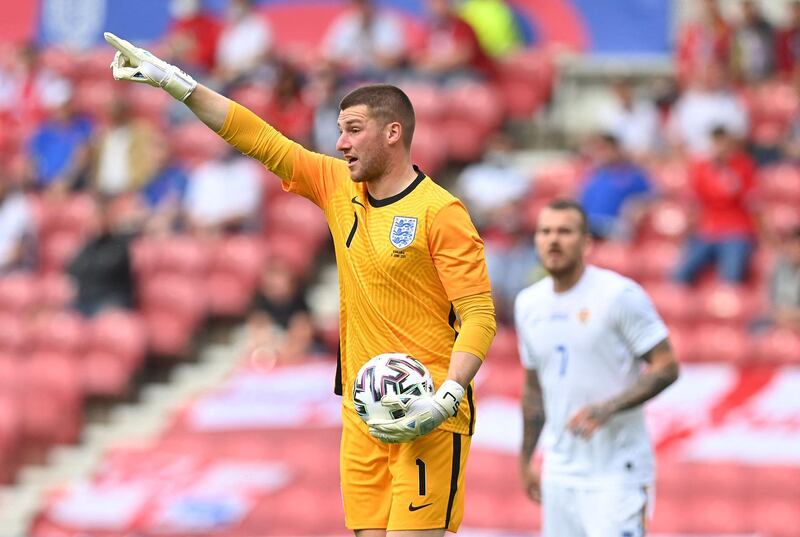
209,106
463,367
663,371
533,418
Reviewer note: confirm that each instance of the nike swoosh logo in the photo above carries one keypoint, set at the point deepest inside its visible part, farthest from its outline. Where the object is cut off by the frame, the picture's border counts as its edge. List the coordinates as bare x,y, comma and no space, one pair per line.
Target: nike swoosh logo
412,507
355,200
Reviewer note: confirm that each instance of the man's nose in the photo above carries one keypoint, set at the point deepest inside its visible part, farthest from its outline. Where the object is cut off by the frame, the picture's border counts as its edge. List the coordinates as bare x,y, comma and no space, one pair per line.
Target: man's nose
342,143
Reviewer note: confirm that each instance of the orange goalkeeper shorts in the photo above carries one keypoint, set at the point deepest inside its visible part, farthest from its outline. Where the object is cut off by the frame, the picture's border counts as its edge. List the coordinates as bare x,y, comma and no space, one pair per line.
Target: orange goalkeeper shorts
413,486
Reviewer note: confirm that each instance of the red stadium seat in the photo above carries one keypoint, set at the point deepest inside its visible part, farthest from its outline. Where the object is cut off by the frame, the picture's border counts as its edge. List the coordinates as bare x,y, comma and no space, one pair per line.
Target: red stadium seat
52,397
504,348
712,513
121,334
58,249
240,256
182,254
14,333
429,150
18,293
176,295
557,179
169,335
228,294
781,184
284,248
194,143
671,177
255,97
465,141
10,435
479,104
427,100
728,304
722,343
779,217
79,214
56,290
60,332
520,99
657,259
615,256
105,374
682,338
666,220
779,345
775,517
674,302
144,256
297,216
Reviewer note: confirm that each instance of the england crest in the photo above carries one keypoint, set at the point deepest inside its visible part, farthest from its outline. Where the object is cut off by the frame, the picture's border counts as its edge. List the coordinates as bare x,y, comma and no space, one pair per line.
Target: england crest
404,229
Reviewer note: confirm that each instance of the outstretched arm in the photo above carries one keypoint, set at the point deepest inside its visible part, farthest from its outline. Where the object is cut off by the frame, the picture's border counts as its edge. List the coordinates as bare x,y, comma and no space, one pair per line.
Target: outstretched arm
662,372
209,106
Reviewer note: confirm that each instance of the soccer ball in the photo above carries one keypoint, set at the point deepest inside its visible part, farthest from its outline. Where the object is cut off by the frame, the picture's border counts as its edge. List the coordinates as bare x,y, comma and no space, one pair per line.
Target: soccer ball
390,373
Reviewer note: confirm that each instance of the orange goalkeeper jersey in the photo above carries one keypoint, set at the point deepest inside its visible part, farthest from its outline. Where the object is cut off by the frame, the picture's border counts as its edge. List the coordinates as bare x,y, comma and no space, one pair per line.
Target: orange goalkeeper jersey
401,260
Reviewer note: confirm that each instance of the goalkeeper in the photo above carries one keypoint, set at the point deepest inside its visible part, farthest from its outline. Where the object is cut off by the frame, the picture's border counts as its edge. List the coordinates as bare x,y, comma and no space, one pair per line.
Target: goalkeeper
412,279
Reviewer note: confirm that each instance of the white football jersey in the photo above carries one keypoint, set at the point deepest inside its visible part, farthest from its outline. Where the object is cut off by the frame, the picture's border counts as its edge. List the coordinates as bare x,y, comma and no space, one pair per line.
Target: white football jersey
585,344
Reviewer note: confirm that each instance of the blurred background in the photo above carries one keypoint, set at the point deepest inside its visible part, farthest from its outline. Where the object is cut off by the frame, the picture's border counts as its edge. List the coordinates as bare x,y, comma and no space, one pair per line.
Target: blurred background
168,316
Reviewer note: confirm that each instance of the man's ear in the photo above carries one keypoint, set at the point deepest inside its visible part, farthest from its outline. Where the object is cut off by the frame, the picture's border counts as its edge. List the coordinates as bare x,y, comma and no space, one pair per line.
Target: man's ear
394,133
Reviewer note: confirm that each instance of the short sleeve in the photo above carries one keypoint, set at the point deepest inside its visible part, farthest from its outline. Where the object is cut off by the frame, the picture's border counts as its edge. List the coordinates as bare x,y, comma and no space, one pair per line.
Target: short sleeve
457,252
637,320
526,354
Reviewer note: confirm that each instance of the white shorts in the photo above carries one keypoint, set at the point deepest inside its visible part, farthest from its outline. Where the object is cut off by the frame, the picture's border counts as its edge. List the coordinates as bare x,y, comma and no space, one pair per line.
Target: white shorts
614,510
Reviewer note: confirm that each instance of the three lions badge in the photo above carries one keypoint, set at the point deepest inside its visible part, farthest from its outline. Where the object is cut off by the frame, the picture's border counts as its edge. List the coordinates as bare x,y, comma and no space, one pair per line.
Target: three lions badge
404,229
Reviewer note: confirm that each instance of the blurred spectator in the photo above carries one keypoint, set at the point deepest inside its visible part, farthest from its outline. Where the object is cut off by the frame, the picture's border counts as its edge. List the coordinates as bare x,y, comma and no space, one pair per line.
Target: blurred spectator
494,24
123,149
511,258
26,87
244,43
492,183
725,229
753,53
287,110
709,103
613,191
324,88
192,37
59,148
704,42
633,121
102,268
17,231
450,51
784,284
787,54
224,195
162,196
365,41
281,320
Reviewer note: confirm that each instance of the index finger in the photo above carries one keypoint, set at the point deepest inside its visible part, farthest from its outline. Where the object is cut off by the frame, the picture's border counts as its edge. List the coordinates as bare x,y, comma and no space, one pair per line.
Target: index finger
122,45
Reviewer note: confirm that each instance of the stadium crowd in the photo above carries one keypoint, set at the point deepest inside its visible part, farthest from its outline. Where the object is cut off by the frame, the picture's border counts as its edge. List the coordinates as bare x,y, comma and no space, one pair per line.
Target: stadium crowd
125,225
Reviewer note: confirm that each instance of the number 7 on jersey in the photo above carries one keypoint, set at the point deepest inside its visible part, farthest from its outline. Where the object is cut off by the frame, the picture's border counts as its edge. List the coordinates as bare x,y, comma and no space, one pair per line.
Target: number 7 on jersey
563,354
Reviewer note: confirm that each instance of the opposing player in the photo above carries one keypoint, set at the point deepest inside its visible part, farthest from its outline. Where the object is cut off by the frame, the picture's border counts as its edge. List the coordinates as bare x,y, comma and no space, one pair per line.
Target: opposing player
412,279
594,350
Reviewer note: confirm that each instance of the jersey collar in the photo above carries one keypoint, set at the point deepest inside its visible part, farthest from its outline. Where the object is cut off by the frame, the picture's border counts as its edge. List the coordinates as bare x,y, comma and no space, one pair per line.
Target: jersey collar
397,197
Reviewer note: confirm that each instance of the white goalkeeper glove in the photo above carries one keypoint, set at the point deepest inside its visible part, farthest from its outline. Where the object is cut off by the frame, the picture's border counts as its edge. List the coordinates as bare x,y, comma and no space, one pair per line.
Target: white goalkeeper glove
422,414
138,65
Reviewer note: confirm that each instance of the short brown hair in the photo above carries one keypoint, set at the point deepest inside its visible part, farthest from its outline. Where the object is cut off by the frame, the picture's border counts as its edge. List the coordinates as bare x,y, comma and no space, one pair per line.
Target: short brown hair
565,204
385,103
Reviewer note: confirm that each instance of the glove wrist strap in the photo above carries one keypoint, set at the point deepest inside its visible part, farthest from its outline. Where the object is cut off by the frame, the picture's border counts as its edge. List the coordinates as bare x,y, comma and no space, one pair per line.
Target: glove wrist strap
449,396
178,84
